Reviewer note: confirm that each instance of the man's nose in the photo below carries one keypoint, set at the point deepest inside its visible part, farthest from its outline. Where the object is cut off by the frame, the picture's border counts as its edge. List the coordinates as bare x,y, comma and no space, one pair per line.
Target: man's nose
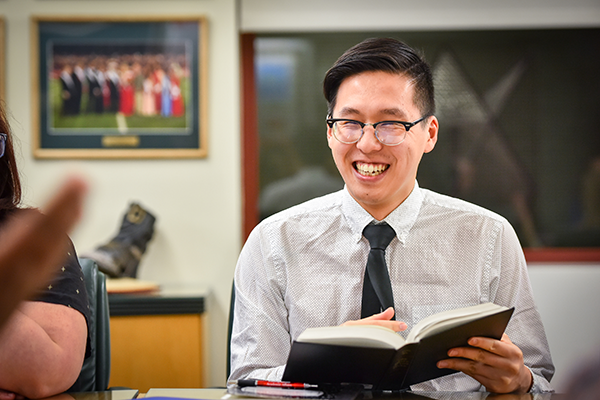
369,142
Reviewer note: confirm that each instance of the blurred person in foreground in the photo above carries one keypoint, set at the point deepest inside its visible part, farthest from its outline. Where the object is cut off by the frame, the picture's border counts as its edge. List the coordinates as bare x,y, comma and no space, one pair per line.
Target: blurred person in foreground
44,308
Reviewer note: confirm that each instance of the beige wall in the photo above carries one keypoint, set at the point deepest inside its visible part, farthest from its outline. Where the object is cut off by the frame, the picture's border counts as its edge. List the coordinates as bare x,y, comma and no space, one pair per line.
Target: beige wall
357,15
567,297
197,202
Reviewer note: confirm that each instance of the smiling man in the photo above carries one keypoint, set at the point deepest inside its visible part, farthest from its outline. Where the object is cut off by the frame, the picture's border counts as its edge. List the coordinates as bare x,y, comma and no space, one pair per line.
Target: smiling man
379,171
305,267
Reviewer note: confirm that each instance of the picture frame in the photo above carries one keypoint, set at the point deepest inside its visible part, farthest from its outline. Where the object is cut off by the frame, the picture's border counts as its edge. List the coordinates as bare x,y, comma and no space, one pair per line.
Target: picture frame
119,87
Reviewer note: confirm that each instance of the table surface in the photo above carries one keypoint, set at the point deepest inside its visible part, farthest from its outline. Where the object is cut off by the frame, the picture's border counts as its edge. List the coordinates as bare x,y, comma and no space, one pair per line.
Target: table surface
214,394
127,394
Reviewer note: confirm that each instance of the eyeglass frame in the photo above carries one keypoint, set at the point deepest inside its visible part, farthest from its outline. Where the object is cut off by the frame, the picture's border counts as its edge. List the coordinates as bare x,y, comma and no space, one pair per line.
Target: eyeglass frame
407,126
3,139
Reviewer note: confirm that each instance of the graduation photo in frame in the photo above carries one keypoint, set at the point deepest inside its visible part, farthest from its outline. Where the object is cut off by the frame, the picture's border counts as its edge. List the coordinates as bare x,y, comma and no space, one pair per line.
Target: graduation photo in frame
119,87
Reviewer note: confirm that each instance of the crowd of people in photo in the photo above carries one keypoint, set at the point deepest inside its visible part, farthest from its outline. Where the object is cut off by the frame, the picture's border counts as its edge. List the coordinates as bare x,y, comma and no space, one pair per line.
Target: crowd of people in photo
130,84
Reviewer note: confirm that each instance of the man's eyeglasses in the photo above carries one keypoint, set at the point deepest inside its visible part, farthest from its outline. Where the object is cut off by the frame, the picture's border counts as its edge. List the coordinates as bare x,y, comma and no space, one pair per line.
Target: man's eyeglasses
390,133
3,138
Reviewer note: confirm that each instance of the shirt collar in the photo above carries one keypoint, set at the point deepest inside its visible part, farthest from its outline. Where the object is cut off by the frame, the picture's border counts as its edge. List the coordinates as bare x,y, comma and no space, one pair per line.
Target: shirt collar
401,219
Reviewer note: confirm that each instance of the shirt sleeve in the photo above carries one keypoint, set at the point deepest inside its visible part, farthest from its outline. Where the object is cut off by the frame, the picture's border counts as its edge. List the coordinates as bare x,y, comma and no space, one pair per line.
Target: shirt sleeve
68,289
260,340
525,329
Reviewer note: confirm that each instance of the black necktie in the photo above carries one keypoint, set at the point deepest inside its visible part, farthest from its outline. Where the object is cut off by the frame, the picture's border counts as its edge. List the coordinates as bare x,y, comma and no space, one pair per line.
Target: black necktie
377,288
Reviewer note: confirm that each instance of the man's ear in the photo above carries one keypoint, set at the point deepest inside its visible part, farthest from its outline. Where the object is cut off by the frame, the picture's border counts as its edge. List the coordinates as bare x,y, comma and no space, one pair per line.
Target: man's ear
432,130
329,136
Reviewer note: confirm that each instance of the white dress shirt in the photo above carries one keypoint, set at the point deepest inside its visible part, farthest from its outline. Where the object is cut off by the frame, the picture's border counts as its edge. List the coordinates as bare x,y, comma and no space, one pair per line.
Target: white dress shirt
304,267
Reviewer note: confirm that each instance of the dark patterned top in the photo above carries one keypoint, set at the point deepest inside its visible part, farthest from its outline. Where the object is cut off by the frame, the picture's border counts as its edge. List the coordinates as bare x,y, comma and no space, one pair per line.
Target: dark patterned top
68,289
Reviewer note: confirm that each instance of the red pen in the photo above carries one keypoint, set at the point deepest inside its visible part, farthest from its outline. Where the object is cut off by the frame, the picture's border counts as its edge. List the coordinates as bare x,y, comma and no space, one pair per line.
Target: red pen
290,385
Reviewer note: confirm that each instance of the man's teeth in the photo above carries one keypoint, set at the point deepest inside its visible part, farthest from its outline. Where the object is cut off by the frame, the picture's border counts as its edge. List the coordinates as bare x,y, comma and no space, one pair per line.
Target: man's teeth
370,169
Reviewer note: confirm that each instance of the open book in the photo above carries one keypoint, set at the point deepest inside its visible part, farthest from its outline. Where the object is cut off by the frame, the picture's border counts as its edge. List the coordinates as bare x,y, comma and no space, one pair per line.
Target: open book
380,357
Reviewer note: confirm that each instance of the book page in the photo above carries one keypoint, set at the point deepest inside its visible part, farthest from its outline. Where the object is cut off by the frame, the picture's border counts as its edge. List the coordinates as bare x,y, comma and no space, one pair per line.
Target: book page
356,335
447,319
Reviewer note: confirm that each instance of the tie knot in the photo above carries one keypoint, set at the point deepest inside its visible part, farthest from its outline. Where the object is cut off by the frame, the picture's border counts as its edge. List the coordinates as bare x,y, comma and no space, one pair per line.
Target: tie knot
379,236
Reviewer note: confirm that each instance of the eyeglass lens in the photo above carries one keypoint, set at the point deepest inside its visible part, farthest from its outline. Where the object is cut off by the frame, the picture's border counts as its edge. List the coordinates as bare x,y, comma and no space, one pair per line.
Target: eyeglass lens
2,144
388,133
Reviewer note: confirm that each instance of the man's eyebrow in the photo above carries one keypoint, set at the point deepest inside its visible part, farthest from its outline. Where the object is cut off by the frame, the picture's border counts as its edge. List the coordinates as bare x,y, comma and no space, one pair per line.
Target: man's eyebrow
349,111
395,112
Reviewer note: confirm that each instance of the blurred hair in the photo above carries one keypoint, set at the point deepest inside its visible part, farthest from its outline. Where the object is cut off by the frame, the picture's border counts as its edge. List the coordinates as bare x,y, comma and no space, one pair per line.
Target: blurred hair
10,184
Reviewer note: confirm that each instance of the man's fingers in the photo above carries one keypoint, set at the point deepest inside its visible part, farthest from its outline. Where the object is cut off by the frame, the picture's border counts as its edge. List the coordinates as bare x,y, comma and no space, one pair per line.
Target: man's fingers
503,347
496,364
385,315
381,319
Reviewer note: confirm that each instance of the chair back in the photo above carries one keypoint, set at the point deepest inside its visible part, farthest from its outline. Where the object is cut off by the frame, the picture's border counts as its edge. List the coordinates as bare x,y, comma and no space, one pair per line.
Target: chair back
95,372
230,328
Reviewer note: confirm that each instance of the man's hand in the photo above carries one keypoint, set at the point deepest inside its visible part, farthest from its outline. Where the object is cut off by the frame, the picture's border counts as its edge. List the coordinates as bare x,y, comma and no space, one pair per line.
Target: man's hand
381,319
496,364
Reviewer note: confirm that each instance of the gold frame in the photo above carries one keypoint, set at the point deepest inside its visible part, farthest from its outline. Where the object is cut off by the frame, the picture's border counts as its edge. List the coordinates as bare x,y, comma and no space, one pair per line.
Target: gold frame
127,140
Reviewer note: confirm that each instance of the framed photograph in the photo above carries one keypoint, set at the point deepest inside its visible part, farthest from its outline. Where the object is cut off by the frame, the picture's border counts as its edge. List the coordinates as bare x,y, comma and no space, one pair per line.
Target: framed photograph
119,87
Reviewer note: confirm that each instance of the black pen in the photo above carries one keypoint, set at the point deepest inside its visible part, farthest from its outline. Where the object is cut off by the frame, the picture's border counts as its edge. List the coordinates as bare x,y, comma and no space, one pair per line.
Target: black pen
258,382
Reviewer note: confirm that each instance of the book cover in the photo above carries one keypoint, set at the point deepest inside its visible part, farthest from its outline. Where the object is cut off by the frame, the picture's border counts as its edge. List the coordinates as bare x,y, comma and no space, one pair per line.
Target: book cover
388,368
